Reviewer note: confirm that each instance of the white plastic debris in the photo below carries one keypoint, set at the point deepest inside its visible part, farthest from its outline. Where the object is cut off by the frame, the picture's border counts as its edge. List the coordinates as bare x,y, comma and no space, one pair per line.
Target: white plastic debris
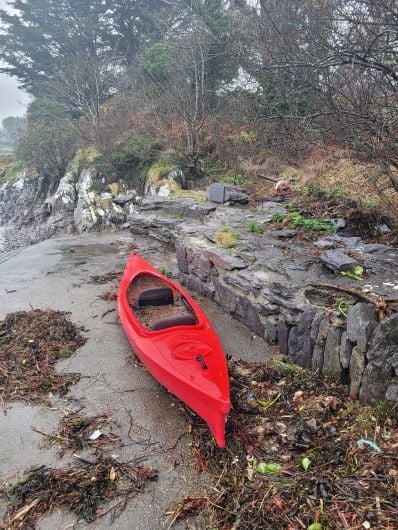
95,435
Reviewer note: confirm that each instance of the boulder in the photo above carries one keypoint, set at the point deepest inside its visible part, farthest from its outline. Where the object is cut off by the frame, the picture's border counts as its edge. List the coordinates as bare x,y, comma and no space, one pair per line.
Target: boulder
65,197
338,261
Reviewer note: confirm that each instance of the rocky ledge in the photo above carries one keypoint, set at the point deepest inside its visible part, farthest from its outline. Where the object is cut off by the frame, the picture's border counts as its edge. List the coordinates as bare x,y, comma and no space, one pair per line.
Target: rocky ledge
289,290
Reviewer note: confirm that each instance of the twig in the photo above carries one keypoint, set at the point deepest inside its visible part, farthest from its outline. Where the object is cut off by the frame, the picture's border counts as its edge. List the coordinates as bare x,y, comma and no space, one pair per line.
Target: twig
48,435
84,460
267,178
346,290
95,380
107,312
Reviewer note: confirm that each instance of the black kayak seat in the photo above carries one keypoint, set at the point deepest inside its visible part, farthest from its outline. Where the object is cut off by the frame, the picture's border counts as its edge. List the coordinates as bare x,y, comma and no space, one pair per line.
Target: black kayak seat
186,320
155,297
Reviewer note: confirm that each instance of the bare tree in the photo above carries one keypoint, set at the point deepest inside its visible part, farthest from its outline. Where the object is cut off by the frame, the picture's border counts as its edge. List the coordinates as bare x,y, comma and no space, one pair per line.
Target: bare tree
332,67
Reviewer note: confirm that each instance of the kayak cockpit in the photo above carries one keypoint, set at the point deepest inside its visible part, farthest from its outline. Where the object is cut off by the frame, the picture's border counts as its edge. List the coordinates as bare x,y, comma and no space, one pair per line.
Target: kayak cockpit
157,305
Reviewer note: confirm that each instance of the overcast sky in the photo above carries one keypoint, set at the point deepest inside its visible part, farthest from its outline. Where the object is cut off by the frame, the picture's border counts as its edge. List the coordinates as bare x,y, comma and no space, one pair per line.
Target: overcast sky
12,100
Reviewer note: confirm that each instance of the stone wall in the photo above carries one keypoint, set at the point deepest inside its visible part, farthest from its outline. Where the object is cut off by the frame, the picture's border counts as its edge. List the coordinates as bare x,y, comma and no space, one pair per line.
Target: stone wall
267,282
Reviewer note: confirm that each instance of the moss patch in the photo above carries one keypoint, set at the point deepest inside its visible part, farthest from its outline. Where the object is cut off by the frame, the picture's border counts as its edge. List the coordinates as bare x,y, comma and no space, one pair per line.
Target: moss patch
83,158
157,172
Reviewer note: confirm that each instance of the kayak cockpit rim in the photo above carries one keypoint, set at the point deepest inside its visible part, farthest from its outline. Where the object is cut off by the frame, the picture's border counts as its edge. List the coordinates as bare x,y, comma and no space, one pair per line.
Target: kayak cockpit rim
155,281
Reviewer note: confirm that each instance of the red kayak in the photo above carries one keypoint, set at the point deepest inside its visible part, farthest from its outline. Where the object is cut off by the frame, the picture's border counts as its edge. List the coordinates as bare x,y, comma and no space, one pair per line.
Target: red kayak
175,342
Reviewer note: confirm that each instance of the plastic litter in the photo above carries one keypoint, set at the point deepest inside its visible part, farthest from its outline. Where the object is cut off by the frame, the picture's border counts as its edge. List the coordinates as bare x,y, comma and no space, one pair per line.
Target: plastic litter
362,442
95,435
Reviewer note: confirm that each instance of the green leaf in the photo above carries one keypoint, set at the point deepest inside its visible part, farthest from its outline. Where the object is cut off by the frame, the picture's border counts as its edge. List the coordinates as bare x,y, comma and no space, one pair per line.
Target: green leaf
305,463
315,526
358,270
268,469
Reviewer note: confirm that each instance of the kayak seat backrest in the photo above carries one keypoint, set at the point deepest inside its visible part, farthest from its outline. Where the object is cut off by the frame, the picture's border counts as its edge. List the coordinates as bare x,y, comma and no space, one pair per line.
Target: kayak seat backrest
155,297
186,320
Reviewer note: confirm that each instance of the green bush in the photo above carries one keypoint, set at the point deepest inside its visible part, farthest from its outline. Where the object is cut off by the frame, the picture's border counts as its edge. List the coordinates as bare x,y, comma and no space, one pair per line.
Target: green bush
236,180
158,61
132,149
296,220
255,228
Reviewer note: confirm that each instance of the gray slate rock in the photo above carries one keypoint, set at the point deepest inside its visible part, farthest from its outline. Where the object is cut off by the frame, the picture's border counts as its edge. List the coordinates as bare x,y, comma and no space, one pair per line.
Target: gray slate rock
224,260
383,361
331,355
392,391
223,193
121,200
357,369
283,336
361,322
199,211
182,259
286,233
300,345
338,261
319,348
345,351
338,223
225,296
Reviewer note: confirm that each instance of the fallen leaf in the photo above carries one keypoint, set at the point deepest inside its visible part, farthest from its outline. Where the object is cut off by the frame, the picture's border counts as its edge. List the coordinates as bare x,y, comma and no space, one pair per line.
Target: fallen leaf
268,469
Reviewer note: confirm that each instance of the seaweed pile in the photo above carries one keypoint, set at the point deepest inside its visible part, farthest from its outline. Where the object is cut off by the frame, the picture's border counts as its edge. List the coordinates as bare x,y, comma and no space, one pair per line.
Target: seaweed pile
100,279
82,489
299,455
31,342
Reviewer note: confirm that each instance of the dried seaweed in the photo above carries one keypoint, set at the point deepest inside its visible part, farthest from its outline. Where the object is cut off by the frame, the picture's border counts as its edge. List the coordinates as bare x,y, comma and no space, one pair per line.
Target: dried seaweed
31,342
293,457
108,296
82,489
105,278
74,433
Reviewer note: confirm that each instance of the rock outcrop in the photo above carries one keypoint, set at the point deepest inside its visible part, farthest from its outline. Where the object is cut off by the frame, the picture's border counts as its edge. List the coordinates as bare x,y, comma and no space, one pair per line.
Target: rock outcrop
274,286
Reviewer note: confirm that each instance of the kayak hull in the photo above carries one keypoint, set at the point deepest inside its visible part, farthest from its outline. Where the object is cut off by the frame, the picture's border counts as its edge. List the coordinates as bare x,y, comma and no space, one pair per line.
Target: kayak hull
187,359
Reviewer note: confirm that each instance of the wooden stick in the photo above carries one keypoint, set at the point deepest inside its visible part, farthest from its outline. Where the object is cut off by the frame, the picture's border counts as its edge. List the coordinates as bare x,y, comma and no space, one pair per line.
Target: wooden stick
267,178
